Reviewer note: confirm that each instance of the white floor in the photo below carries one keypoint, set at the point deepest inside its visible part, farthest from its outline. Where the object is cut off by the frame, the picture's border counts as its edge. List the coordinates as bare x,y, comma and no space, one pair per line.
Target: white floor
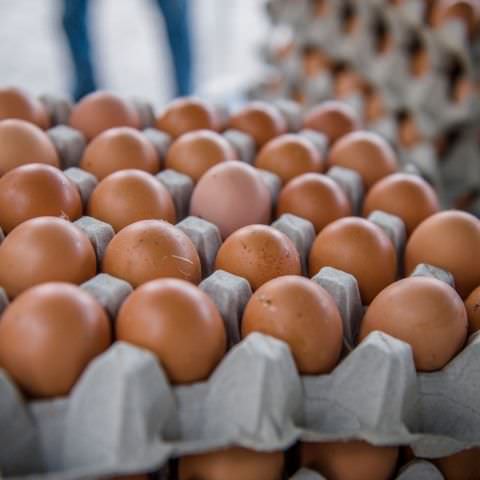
130,42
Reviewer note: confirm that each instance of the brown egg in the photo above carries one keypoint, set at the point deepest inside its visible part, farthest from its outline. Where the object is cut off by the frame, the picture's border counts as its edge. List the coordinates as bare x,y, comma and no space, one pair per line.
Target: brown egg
119,149
360,248
186,115
466,11
179,323
348,82
260,120
409,134
316,198
367,153
22,143
37,190
289,156
231,195
424,312
128,196
45,249
195,152
234,463
151,249
464,465
375,107
333,119
351,460
472,303
100,111
17,103
420,63
463,89
315,61
301,313
48,335
449,240
408,196
258,253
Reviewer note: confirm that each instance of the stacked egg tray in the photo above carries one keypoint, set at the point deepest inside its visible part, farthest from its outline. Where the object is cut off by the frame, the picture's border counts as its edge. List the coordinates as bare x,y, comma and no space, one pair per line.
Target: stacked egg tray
124,417
309,27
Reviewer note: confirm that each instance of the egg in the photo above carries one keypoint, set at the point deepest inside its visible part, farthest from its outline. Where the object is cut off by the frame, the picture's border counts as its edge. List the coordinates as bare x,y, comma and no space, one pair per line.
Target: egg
348,82
37,190
17,103
151,249
320,8
48,335
315,61
332,118
424,312
128,196
193,153
465,11
289,156
231,195
375,106
367,153
420,63
449,240
409,134
100,111
119,149
186,115
258,253
349,460
45,249
22,143
261,120
360,248
179,323
472,304
234,463
314,197
407,196
464,465
302,314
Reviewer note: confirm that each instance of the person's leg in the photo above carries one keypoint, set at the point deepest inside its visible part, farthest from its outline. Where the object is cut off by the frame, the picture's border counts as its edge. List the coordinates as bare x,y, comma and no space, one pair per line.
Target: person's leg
177,22
75,24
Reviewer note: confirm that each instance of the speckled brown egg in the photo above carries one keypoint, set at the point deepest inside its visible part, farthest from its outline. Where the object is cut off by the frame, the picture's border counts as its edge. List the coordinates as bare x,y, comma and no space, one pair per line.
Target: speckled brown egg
37,190
100,111
261,120
350,460
472,304
367,153
289,156
464,465
316,198
302,314
258,253
119,149
194,153
360,248
151,249
48,335
186,115
408,196
449,240
45,249
231,195
17,103
234,463
22,143
424,312
128,196
179,323
332,118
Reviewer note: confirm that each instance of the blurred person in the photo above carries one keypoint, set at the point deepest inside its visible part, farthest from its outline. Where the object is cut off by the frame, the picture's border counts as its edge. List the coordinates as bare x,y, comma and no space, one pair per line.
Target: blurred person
77,28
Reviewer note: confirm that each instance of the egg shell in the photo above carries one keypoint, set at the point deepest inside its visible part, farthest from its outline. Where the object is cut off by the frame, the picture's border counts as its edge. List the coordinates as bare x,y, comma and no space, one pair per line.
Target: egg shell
118,149
22,143
159,249
462,465
472,303
37,190
302,314
45,249
424,312
168,317
100,111
258,253
48,335
420,63
449,240
409,134
231,195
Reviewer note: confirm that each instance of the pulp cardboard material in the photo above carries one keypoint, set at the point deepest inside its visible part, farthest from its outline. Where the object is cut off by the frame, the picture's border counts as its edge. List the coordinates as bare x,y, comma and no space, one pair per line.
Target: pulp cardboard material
2,235
273,182
69,143
99,233
318,139
305,474
420,470
145,112
58,108
84,181
318,88
426,270
393,226
160,140
3,300
351,183
243,144
292,112
386,127
180,187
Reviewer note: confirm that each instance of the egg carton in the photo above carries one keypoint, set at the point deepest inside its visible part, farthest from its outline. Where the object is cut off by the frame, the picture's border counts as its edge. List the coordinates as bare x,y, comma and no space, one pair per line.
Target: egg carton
318,88
387,127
